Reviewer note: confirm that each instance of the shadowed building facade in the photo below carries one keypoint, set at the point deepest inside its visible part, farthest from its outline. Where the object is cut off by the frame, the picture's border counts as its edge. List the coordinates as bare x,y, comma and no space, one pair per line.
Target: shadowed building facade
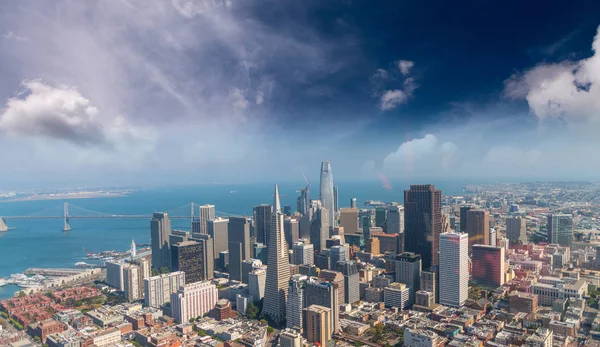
423,222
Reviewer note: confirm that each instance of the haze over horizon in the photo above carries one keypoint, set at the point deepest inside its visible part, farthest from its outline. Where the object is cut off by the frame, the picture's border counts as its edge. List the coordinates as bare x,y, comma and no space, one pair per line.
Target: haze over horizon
190,91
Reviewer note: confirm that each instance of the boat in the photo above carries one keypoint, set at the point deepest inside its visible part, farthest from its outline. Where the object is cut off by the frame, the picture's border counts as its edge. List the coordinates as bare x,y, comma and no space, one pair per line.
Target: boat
81,264
4,281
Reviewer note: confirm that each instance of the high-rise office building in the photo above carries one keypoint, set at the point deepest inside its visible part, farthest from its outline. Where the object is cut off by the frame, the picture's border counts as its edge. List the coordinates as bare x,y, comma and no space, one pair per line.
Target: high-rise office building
260,252
295,302
304,253
478,228
248,266
160,229
516,230
218,230
351,281
291,230
423,222
454,269
318,324
337,254
394,223
114,275
262,222
349,220
134,274
353,203
257,280
463,217
207,244
193,300
488,266
239,245
303,202
336,206
430,282
319,231
397,295
158,289
380,216
207,212
373,246
323,260
560,229
365,220
324,294
326,192
407,266
278,269
187,257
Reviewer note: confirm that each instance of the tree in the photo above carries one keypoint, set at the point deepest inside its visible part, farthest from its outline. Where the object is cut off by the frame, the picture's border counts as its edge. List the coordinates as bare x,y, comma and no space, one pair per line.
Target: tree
37,339
22,294
192,320
252,311
270,330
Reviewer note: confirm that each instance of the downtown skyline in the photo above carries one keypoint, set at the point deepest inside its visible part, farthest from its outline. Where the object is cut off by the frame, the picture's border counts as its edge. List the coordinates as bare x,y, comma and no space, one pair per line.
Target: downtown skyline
394,97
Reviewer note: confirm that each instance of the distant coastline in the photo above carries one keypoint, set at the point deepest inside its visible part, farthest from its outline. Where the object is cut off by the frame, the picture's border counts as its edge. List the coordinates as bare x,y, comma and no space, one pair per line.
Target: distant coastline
66,196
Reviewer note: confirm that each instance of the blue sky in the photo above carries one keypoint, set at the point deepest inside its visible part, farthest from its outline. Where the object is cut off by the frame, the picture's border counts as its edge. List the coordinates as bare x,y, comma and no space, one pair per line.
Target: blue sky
193,91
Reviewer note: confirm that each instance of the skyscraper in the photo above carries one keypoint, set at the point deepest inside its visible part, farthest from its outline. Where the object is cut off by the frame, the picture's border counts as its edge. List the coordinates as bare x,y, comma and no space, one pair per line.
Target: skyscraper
488,269
351,281
463,217
278,269
218,230
319,229
158,289
239,245
478,228
349,220
380,216
324,294
454,269
257,280
394,223
291,229
207,212
295,302
318,324
187,257
516,230
423,222
353,203
336,206
560,229
337,254
262,223
160,229
208,249
326,192
304,253
408,271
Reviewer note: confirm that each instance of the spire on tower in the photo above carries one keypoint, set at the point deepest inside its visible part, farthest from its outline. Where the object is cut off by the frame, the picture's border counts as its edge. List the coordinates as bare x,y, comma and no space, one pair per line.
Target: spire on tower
276,204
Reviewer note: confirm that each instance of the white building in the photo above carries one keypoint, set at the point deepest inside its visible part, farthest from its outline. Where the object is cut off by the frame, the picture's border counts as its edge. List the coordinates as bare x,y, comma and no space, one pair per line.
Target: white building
114,275
454,269
193,300
107,337
256,283
295,302
290,338
541,338
158,289
396,295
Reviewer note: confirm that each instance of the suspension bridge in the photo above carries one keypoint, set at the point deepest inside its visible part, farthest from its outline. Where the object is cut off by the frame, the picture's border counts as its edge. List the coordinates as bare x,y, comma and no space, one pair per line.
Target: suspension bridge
78,212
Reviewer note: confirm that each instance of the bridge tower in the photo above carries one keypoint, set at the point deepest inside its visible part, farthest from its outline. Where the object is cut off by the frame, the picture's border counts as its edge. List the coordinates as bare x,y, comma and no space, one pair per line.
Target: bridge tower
67,226
3,226
192,217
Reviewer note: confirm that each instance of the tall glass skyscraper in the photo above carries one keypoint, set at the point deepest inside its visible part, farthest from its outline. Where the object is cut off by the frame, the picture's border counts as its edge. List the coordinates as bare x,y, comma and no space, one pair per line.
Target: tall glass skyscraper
326,192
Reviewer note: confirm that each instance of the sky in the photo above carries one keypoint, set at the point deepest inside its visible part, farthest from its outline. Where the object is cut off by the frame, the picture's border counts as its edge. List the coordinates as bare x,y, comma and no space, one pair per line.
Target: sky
134,92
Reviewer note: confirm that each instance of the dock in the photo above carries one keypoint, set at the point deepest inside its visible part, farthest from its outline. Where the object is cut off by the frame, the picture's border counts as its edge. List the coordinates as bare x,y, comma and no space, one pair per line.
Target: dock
53,272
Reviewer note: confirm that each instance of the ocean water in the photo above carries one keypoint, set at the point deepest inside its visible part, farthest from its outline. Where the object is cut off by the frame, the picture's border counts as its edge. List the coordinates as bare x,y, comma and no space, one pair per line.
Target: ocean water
42,243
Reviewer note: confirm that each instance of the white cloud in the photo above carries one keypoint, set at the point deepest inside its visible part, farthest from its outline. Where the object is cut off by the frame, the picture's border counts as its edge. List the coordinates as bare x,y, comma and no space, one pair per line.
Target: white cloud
566,90
62,113
391,99
238,100
260,97
405,66
421,156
